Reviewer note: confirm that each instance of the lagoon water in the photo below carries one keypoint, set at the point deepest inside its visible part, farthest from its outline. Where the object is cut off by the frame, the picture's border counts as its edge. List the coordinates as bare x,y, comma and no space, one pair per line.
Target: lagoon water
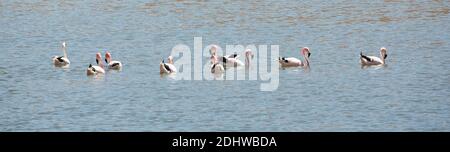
410,94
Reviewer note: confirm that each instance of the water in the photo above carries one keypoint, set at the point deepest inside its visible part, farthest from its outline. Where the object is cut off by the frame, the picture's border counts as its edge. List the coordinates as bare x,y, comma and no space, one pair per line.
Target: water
410,94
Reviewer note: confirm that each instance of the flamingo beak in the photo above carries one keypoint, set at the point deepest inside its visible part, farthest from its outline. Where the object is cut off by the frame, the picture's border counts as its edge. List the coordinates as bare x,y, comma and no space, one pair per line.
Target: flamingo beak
385,56
90,65
309,54
106,60
96,60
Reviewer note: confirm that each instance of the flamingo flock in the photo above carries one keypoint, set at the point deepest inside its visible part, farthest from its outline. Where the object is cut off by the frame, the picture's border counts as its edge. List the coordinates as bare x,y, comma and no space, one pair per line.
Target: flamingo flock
218,63
99,68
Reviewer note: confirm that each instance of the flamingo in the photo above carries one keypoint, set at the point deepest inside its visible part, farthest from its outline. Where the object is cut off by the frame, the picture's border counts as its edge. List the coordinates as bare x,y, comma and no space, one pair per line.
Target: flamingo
167,67
373,60
216,67
116,65
96,69
294,62
248,57
229,60
61,60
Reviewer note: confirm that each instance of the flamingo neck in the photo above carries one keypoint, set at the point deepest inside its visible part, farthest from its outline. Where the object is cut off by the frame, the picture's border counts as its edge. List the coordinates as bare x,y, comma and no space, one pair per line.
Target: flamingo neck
65,52
100,62
247,60
306,61
215,60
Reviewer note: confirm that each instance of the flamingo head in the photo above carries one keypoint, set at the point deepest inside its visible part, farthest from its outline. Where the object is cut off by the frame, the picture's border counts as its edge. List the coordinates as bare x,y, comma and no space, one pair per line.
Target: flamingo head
383,52
213,50
214,59
98,58
107,57
249,54
170,59
64,44
306,52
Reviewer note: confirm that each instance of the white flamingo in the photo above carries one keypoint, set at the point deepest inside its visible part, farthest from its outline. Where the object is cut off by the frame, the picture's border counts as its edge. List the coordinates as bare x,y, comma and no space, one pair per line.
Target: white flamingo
373,60
61,60
116,65
248,57
167,67
216,67
96,69
294,62
229,60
